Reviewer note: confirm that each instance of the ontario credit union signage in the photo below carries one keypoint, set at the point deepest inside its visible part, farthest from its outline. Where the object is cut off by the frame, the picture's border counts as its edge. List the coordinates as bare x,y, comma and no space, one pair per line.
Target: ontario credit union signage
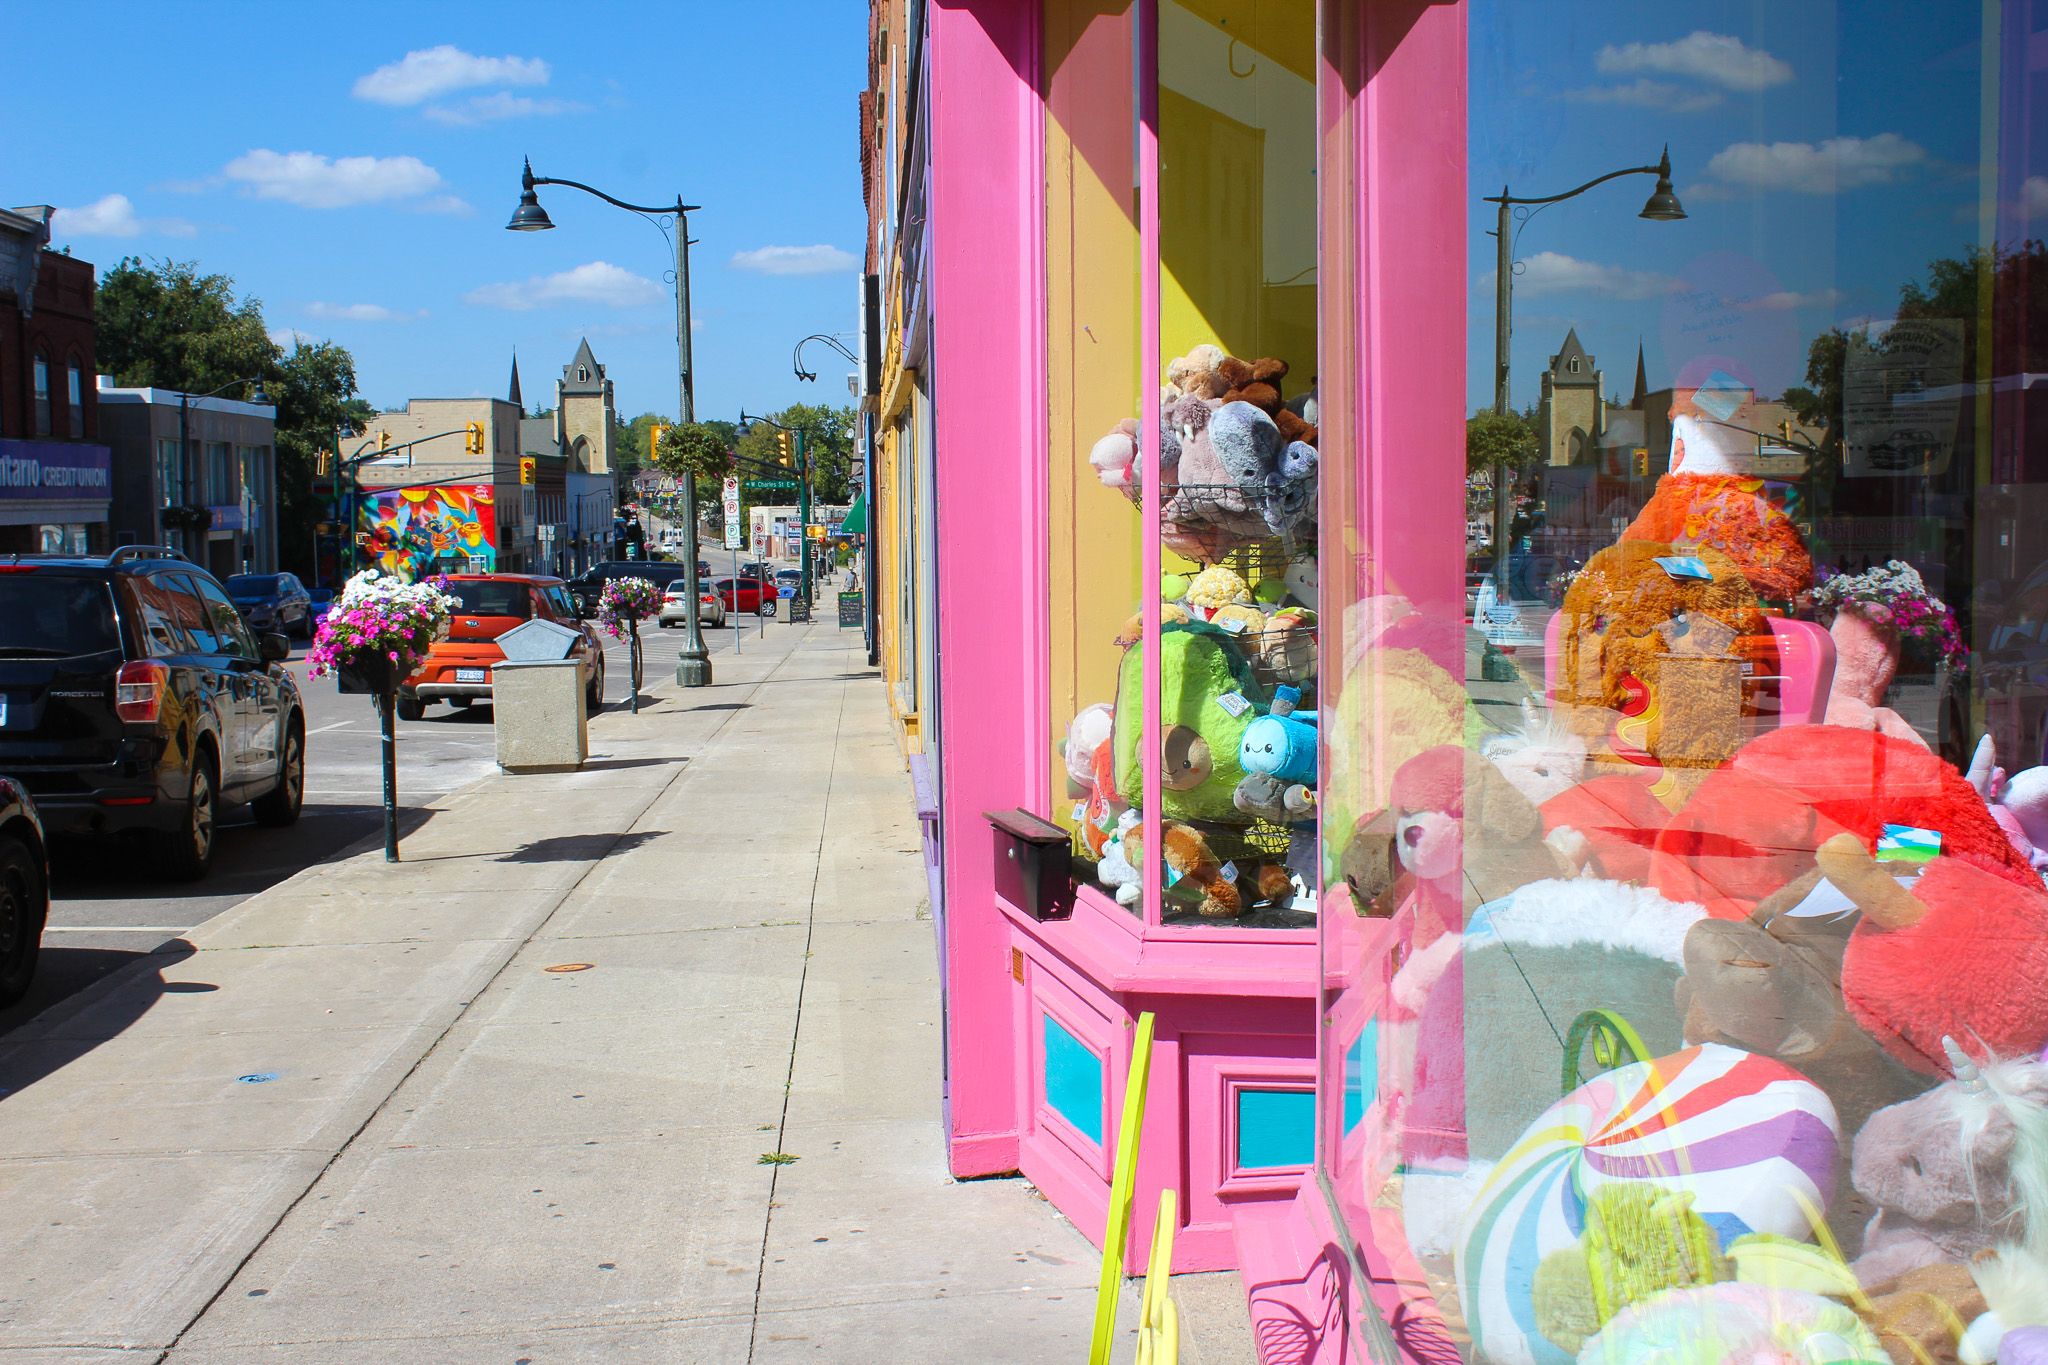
53,471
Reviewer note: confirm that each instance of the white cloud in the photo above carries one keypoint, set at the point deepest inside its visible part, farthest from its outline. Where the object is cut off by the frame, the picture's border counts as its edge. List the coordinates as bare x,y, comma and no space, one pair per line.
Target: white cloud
113,215
599,282
289,337
360,312
314,182
1552,272
1785,299
434,71
485,108
794,260
444,203
2033,197
1832,167
1648,94
1716,58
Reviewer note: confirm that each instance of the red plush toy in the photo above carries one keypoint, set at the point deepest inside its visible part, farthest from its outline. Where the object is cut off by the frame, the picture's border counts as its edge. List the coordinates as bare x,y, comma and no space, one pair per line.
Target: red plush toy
1755,825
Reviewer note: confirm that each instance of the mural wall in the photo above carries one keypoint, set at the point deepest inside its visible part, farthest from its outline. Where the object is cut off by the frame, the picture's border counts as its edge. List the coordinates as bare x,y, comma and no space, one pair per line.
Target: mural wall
432,528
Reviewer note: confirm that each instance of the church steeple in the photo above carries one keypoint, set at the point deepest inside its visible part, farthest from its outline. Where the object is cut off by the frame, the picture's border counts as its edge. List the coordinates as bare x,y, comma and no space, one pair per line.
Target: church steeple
1642,381
513,396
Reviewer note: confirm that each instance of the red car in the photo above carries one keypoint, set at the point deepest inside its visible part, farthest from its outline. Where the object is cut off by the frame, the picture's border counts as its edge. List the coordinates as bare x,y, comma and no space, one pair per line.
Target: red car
745,595
458,669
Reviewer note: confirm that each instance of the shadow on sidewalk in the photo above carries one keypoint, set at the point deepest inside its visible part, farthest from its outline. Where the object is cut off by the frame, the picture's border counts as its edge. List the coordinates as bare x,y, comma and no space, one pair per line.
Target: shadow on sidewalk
600,765
579,848
121,1006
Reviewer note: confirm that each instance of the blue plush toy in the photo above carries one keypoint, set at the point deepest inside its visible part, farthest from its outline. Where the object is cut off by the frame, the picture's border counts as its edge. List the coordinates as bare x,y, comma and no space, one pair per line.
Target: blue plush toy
1282,745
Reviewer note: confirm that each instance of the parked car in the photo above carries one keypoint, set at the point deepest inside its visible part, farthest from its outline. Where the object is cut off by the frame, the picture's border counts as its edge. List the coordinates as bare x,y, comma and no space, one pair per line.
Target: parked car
458,669
273,601
757,570
675,606
24,890
792,577
587,587
741,595
134,700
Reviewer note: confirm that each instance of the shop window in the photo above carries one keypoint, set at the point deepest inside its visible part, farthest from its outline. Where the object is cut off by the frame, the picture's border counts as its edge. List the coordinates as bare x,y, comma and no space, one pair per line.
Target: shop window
1182,417
42,391
1275,1128
170,473
74,381
1683,907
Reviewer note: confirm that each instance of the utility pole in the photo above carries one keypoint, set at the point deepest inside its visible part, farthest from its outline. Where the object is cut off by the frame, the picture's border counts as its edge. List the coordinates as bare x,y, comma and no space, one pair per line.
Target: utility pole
803,515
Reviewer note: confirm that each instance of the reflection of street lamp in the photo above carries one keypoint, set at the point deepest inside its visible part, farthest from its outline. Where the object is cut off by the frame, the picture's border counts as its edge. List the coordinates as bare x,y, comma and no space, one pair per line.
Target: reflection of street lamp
187,468
1661,207
693,663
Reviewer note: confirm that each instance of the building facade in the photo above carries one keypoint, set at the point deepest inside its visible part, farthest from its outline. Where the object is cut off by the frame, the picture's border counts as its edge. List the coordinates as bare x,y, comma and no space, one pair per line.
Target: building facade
56,472
172,450
1516,1008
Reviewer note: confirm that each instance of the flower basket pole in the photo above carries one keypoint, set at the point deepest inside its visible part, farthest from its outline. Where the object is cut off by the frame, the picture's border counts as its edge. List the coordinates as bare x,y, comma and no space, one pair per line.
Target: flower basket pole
619,610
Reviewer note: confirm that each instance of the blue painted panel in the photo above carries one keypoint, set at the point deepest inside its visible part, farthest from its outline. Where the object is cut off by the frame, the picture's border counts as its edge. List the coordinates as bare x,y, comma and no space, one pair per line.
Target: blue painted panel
1073,1080
1275,1128
1361,1074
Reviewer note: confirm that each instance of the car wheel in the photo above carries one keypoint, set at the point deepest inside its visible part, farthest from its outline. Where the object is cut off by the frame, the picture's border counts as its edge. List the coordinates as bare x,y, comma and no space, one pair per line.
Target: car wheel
411,708
279,806
24,905
186,853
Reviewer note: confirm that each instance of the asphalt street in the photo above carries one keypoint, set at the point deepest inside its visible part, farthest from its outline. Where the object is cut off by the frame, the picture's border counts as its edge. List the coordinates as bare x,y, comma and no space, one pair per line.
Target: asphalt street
107,909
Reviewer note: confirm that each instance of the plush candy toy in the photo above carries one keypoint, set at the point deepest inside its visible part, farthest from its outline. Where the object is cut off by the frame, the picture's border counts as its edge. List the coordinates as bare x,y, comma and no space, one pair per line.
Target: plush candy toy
1734,1324
1282,743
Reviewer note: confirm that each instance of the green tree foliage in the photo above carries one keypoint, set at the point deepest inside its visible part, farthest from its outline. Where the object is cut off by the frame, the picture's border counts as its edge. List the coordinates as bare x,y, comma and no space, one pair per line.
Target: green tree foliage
163,324
1498,441
630,444
693,449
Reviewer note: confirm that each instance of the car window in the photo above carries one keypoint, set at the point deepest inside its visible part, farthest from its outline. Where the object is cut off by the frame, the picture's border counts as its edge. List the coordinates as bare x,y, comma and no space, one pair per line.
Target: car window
255,584
162,634
558,598
44,615
489,598
236,640
184,599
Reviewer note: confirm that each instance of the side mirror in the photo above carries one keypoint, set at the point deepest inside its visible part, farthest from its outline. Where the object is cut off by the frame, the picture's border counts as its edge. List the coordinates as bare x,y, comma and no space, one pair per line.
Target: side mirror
273,648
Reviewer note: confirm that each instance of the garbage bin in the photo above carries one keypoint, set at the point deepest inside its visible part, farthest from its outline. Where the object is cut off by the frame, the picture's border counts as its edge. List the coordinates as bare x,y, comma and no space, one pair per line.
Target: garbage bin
537,701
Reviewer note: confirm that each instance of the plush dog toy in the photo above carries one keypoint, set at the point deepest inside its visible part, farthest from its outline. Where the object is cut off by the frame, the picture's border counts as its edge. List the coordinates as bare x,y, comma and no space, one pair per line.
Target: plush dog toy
1459,821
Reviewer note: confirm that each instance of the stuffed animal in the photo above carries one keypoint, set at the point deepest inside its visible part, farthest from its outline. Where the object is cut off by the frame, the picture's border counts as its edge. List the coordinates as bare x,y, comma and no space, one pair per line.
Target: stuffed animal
2013,1328
1914,1315
1118,869
1287,647
1866,661
1653,642
1733,1324
1278,754
2019,804
1957,1170
1459,822
1543,760
1707,501
1191,865
1207,697
1105,804
1962,954
1088,730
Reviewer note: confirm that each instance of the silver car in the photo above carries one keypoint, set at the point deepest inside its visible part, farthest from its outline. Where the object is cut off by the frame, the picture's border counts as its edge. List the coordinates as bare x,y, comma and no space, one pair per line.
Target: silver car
710,611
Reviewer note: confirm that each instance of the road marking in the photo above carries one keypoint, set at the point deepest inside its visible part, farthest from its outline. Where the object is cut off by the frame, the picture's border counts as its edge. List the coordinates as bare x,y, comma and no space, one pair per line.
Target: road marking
115,928
340,724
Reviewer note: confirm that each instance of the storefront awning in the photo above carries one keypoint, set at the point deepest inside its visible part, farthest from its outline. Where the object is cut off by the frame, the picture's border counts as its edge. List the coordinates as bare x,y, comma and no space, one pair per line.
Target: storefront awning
855,522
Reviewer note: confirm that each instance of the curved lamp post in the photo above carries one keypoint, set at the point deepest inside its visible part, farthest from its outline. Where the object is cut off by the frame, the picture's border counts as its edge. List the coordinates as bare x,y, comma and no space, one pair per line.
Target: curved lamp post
1661,207
796,357
185,460
693,663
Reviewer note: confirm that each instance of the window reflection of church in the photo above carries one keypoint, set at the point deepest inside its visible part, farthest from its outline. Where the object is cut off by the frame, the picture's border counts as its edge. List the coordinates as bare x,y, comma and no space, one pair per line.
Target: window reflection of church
1600,458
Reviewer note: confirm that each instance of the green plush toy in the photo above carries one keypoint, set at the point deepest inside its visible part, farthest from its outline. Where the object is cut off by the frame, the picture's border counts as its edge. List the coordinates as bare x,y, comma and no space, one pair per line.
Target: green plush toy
1202,674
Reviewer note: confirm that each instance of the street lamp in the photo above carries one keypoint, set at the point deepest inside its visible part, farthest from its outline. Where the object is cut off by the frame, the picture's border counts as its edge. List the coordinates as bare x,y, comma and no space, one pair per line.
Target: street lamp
1661,207
796,358
693,663
187,468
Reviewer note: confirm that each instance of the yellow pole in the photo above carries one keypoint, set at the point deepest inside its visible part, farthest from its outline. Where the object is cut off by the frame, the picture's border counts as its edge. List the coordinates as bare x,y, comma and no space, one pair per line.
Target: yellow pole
1117,1232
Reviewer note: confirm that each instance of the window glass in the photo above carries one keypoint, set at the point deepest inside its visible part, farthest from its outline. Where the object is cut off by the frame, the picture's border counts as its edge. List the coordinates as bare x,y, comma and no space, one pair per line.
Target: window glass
170,473
486,597
42,383
230,633
49,616
75,391
1685,919
158,614
191,613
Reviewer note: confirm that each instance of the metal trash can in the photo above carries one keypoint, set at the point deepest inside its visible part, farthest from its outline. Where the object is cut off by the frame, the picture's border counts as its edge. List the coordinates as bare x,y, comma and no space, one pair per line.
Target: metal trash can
537,701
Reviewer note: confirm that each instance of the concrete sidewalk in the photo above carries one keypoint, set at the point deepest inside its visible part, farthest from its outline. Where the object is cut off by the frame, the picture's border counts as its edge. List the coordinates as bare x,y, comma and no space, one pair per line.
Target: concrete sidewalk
358,1119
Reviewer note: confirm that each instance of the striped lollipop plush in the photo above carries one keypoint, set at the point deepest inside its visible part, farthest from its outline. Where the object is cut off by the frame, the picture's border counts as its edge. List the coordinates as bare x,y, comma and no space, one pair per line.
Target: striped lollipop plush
1748,1138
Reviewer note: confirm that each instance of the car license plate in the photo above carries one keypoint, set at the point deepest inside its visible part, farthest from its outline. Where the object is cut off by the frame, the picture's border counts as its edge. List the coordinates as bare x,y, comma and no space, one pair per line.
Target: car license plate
469,675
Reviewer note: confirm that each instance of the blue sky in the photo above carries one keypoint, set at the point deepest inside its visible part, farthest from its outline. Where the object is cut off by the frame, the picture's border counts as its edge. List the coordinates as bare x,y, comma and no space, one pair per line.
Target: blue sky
1824,152
353,167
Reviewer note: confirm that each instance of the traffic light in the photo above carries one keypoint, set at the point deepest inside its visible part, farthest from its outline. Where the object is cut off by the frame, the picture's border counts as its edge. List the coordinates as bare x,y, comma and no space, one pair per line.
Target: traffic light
383,440
526,468
782,444
323,464
473,442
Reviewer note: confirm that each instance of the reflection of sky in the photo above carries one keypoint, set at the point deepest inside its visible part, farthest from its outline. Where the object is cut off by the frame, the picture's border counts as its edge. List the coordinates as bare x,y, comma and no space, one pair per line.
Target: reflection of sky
1880,97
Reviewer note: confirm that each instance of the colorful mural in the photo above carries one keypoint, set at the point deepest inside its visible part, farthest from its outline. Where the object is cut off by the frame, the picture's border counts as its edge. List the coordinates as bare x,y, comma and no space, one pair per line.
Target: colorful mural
432,528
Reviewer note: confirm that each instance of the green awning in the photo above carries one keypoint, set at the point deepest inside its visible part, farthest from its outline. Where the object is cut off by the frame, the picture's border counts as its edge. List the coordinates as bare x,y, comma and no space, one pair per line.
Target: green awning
855,522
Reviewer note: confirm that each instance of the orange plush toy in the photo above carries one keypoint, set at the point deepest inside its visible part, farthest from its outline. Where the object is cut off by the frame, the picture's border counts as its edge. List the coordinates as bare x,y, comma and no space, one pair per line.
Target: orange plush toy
1709,498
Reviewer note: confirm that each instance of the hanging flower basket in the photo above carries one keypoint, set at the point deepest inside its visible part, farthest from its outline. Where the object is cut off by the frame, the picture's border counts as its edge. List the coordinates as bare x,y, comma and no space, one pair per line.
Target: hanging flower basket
379,631
1893,603
624,603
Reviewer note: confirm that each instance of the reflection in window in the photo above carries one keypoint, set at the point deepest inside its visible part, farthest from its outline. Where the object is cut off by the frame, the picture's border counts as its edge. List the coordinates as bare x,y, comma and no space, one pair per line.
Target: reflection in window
42,391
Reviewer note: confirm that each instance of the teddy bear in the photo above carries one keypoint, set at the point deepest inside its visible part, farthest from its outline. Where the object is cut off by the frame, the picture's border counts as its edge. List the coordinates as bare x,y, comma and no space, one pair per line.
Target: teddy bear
1459,821
1653,641
1189,860
1707,500
1957,1170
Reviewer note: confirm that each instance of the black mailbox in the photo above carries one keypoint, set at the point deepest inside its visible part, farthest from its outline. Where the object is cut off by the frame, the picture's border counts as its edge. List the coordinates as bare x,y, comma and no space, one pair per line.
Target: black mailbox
1042,853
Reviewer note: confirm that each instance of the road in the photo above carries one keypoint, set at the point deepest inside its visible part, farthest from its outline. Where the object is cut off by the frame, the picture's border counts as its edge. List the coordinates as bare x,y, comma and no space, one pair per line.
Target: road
106,909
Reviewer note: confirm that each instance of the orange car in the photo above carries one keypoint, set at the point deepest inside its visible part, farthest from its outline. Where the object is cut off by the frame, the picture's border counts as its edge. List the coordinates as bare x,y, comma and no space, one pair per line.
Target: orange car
458,669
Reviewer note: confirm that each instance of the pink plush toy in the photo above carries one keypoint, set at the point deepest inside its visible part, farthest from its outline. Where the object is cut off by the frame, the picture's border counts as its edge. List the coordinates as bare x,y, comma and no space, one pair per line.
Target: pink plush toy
1866,661
2018,804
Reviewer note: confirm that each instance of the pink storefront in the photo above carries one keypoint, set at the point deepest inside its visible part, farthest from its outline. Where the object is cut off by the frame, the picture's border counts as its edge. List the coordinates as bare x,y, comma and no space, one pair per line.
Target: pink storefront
1555,955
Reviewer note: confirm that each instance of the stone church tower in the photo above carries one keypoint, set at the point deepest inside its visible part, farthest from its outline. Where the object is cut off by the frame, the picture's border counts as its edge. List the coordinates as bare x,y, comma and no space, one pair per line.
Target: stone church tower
584,422
1573,413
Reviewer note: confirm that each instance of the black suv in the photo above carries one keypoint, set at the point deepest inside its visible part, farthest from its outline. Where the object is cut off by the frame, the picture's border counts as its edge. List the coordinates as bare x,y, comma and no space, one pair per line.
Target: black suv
133,699
588,586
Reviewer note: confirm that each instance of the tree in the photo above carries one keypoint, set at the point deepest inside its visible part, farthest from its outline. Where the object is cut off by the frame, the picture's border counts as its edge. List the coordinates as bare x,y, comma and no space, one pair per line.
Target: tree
164,324
1498,441
693,449
630,452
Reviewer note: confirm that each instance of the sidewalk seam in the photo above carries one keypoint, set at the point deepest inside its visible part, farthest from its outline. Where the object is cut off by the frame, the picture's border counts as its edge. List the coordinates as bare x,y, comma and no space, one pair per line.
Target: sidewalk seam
684,771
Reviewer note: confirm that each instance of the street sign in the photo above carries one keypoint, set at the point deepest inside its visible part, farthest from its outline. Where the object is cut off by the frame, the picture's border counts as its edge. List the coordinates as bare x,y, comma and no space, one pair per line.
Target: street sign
769,485
732,514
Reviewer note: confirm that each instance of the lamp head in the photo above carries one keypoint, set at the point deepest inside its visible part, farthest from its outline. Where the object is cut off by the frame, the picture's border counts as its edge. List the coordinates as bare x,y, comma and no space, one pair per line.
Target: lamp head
529,216
1662,205
257,395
